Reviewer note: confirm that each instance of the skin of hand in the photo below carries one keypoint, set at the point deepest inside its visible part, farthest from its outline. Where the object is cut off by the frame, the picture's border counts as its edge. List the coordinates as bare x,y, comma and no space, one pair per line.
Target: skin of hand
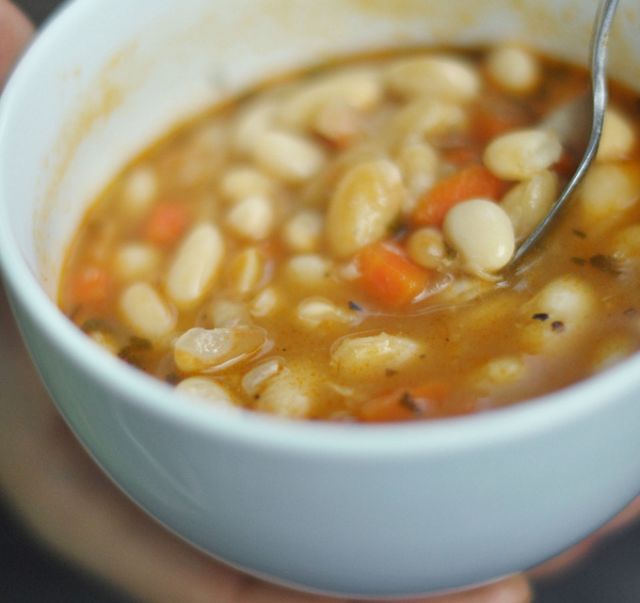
74,510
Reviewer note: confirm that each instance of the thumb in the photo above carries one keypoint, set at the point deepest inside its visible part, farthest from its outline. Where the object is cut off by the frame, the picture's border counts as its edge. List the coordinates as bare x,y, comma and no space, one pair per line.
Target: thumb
15,32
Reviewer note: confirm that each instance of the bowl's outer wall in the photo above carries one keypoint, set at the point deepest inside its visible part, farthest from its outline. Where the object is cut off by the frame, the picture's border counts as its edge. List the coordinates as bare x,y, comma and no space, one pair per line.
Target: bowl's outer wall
346,524
334,521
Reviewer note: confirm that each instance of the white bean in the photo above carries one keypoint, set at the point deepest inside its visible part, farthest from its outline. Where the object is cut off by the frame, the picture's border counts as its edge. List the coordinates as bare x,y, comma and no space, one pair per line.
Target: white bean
338,123
607,191
356,89
288,156
419,164
349,271
252,123
369,357
424,119
309,270
514,69
520,155
136,261
564,309
618,137
256,379
195,266
207,390
287,395
139,191
247,271
442,77
227,313
501,371
252,218
528,202
242,182
481,232
365,204
265,302
426,247
316,311
199,350
146,312
303,232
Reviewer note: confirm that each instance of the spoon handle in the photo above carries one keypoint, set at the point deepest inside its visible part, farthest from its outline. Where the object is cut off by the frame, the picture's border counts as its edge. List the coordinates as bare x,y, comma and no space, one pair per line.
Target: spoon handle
599,47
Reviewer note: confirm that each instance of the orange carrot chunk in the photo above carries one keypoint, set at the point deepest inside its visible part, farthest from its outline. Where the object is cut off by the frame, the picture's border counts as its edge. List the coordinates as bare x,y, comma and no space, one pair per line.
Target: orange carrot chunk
166,223
469,183
406,404
390,277
90,285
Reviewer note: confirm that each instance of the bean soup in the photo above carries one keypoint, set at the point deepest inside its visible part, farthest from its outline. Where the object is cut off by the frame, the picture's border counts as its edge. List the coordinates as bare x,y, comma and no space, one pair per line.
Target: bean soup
332,244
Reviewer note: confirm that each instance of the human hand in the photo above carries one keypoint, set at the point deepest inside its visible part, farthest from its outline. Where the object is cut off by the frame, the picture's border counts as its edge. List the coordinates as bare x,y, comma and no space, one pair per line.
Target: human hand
78,513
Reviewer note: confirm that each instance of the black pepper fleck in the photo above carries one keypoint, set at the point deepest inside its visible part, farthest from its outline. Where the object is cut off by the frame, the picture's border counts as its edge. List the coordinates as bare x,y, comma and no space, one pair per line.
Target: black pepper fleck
409,402
605,263
354,306
557,326
542,316
579,233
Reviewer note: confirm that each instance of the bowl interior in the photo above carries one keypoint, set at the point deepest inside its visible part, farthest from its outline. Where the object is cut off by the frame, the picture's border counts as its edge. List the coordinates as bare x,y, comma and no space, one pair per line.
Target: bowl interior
111,89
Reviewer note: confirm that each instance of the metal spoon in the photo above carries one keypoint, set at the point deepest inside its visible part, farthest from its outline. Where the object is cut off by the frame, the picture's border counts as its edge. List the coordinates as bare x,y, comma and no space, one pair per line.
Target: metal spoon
596,105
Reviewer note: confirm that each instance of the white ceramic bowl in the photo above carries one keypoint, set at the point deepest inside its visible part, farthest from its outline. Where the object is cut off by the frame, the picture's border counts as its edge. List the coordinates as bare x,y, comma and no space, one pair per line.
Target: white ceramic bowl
368,511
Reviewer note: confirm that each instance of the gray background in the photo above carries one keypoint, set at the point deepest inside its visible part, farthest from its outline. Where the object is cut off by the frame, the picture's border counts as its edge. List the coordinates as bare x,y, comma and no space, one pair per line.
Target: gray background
28,574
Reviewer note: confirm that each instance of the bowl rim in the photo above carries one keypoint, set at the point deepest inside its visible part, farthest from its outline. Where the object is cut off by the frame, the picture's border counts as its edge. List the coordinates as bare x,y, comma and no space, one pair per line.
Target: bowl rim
520,420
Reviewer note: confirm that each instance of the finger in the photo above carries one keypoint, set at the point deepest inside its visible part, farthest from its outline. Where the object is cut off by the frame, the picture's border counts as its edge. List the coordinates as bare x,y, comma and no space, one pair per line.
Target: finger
622,520
563,561
577,553
515,589
15,32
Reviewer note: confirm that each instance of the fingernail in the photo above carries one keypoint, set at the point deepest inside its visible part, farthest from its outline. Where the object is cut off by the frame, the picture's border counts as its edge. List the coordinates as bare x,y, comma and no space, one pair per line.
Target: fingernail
515,589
